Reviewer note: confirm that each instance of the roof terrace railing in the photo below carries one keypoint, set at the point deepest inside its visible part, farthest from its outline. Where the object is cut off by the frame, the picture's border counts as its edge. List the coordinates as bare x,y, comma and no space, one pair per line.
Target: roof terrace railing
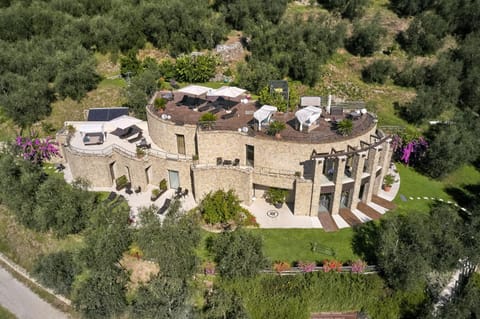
133,155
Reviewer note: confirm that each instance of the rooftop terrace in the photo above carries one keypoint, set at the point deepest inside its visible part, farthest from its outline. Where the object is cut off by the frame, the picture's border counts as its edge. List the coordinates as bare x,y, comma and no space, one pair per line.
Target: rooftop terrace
180,113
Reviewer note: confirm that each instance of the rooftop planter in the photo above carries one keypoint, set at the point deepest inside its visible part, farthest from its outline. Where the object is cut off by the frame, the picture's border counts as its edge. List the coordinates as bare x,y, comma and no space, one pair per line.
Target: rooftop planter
160,104
207,120
345,127
275,128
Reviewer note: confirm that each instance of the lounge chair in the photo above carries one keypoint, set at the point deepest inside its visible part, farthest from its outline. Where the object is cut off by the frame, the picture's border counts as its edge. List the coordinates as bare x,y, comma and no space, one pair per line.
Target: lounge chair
136,138
206,107
229,115
164,207
216,110
219,161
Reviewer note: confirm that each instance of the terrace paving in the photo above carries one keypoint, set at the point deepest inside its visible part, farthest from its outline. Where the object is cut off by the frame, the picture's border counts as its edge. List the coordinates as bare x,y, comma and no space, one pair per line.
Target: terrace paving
244,117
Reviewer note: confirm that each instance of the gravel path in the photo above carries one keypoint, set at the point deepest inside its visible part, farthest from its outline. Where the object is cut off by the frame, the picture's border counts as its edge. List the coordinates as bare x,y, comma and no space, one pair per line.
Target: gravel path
22,302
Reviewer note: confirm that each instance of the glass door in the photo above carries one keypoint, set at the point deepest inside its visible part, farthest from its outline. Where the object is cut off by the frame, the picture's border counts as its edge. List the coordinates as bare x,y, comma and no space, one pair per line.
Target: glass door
324,203
174,179
181,144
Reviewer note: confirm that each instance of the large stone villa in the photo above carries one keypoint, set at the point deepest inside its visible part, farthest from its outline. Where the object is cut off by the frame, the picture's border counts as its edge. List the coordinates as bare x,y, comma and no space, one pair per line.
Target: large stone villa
326,174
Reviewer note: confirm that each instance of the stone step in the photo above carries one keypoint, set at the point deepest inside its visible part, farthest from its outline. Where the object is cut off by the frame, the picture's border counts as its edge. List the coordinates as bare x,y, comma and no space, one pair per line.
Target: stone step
383,202
349,217
327,222
369,211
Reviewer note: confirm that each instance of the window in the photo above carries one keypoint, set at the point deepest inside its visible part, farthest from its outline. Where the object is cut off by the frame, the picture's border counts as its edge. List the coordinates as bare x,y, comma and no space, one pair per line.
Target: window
250,155
181,144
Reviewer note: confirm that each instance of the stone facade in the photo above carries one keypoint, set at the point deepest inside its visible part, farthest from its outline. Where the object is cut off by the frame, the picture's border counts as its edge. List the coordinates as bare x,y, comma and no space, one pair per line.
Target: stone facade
341,172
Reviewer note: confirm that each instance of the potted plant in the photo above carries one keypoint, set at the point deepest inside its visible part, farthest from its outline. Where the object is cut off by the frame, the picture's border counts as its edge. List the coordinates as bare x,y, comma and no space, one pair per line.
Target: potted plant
275,128
276,196
163,185
155,194
121,182
345,127
388,181
140,152
160,104
195,158
207,120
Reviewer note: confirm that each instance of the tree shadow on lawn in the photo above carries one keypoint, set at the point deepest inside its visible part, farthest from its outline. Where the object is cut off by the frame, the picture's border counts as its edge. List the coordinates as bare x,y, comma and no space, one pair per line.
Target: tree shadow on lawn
468,196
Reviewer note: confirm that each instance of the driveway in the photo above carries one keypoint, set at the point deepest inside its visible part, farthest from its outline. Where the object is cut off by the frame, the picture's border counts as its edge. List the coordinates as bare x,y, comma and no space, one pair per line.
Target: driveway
22,302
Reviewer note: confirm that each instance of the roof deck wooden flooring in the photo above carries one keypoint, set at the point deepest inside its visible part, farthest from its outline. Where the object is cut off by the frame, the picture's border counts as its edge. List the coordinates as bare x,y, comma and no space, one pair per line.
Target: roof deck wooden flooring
327,222
369,211
349,217
383,202
324,132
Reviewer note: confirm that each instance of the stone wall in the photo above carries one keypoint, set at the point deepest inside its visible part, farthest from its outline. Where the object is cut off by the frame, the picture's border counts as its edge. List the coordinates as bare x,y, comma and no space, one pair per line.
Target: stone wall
207,179
303,196
163,134
96,169
269,152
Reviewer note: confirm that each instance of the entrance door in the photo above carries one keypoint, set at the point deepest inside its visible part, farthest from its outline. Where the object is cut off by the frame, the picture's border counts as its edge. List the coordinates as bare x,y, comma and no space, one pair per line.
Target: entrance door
325,203
344,199
174,179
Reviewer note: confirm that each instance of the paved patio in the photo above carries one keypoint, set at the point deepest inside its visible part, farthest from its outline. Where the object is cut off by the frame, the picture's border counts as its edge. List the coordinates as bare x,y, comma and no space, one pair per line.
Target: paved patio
266,214
137,201
270,217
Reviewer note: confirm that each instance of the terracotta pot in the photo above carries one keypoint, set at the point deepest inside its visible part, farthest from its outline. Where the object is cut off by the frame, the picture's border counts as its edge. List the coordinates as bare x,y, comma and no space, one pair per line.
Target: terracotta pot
278,136
387,188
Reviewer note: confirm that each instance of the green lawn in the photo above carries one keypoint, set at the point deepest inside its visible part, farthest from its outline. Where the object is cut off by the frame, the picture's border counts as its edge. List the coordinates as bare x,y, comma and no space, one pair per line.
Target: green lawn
5,314
306,244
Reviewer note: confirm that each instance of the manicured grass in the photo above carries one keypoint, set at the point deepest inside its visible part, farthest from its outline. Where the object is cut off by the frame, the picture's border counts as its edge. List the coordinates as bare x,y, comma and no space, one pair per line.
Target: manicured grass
413,184
5,314
296,244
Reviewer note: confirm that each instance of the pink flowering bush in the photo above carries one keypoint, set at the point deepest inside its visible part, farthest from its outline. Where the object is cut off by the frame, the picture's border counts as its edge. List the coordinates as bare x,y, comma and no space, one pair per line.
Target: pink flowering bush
408,149
358,266
306,266
37,150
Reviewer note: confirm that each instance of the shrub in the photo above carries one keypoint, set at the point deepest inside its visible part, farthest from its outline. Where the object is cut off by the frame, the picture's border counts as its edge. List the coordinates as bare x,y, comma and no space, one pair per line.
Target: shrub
365,40
121,182
332,266
306,266
378,71
160,103
345,127
163,185
140,152
155,193
275,127
208,117
220,207
358,266
276,195
281,266
57,271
